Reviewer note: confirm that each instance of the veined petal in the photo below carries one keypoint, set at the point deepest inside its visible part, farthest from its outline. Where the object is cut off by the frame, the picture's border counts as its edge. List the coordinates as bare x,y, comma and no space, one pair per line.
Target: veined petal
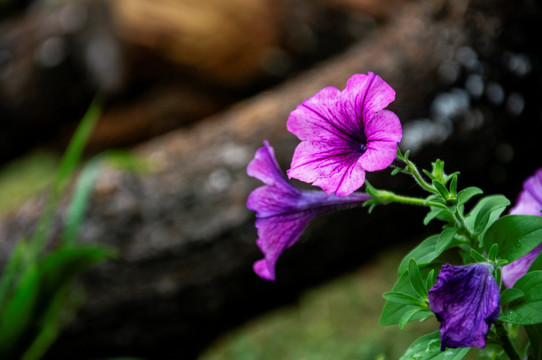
265,168
383,126
277,234
337,128
332,166
283,211
366,94
319,117
465,300
379,155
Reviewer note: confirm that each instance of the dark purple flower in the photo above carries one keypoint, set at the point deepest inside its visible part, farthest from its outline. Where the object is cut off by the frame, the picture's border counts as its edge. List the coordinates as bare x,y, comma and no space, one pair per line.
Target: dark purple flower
345,133
529,203
282,210
465,300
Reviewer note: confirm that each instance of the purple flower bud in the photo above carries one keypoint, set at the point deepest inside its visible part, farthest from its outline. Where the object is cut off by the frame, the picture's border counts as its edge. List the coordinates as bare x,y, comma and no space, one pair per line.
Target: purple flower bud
529,203
344,134
283,211
465,300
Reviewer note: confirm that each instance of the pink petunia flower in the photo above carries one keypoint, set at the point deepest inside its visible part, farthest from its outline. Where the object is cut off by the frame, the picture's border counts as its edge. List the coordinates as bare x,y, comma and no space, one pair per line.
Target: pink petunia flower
283,211
529,203
344,134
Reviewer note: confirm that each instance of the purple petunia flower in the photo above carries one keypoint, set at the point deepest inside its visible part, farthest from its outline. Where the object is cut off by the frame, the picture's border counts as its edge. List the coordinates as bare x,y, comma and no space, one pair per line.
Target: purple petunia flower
344,134
529,203
465,300
283,211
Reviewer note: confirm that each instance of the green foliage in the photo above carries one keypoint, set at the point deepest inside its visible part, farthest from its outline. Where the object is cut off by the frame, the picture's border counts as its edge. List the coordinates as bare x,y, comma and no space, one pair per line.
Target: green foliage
37,292
406,296
428,348
515,235
525,309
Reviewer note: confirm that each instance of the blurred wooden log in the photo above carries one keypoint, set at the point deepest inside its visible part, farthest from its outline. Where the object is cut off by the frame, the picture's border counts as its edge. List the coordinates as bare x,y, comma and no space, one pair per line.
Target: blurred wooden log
185,236
53,59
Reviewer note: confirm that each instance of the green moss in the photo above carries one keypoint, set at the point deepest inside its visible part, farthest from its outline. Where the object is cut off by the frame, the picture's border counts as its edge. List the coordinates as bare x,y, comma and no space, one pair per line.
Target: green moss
339,320
26,177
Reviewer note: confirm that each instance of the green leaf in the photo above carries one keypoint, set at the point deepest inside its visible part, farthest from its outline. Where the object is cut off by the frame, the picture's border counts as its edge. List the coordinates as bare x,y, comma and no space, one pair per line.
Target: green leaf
537,263
466,194
402,298
509,295
526,310
428,348
441,189
453,186
34,299
77,207
424,253
416,279
393,311
477,256
445,238
493,251
494,204
68,165
515,235
409,314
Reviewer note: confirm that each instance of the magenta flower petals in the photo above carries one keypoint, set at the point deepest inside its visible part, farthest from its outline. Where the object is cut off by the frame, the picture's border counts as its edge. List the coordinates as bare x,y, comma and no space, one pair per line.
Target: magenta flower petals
283,211
530,200
529,203
344,134
465,300
332,166
368,94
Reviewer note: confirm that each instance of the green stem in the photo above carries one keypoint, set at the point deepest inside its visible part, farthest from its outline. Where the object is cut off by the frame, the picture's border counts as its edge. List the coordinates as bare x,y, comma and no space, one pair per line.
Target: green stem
415,201
507,345
462,224
413,170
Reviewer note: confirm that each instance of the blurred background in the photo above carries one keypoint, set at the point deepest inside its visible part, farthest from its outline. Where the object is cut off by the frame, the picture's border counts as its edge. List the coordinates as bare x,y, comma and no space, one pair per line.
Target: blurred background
194,87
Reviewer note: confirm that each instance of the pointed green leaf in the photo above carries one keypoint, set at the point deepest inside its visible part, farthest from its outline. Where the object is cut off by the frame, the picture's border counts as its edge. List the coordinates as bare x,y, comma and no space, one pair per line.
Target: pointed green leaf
445,238
515,235
453,186
493,204
408,315
424,253
428,348
509,295
441,189
466,194
402,298
477,256
416,279
526,310
393,312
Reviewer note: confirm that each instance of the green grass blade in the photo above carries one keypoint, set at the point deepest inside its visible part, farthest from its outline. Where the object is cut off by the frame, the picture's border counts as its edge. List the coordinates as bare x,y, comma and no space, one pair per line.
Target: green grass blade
68,164
79,201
